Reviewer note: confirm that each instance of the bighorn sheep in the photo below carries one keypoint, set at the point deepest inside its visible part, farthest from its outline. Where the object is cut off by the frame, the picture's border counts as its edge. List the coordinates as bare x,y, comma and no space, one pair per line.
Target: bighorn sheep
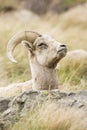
44,53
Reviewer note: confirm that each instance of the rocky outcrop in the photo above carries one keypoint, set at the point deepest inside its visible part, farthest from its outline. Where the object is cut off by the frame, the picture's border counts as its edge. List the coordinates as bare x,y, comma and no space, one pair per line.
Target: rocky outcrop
4,104
14,108
56,6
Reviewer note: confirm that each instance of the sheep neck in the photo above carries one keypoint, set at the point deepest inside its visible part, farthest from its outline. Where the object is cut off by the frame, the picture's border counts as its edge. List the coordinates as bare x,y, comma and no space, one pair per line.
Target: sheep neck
43,77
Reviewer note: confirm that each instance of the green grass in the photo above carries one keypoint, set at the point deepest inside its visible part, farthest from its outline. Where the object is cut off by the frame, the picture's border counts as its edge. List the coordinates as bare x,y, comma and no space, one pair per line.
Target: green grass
73,2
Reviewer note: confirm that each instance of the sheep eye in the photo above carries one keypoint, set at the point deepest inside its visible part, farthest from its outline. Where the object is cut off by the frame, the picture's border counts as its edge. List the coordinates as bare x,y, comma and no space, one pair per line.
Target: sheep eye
42,45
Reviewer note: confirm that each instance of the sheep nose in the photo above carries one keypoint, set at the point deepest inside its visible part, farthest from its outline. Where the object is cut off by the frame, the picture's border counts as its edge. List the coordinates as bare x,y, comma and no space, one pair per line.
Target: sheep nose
62,45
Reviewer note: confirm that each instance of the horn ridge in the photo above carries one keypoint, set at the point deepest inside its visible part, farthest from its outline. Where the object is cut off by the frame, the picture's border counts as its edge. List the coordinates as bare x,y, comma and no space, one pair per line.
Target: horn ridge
30,36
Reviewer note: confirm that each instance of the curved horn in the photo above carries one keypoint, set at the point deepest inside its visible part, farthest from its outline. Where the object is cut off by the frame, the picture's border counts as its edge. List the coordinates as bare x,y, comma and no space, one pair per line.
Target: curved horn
15,40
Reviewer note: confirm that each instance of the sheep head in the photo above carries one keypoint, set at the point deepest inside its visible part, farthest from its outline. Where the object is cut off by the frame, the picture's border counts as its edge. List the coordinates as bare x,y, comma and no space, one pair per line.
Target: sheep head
46,50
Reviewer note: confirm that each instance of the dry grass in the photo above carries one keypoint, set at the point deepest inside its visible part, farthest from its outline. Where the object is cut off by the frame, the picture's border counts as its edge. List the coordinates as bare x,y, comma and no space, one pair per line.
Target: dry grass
69,28
75,68
50,117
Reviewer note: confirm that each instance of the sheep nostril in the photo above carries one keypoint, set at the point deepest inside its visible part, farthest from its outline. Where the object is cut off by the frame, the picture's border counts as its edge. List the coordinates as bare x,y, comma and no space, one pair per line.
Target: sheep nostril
62,45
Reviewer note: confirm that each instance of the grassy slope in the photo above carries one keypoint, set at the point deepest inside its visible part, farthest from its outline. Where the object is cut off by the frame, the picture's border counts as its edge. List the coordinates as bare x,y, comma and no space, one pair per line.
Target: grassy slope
50,117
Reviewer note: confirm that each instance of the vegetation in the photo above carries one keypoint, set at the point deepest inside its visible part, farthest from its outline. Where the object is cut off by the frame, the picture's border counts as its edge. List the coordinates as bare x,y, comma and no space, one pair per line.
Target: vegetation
73,2
50,117
8,5
42,7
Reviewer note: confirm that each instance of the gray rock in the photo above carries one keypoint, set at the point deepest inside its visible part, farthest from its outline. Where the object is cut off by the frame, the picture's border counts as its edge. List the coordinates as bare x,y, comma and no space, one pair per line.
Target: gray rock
4,104
23,102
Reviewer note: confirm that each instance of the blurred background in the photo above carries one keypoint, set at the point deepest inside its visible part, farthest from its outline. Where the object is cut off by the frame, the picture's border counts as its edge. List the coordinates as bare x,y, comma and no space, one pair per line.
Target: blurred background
65,20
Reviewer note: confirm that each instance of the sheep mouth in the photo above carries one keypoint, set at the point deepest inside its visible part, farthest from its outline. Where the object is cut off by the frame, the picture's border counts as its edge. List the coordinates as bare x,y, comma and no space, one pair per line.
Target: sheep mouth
62,50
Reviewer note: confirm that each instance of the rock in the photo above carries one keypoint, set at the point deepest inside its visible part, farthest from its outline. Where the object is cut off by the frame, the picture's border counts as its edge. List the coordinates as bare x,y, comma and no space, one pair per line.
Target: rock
4,104
22,103
44,6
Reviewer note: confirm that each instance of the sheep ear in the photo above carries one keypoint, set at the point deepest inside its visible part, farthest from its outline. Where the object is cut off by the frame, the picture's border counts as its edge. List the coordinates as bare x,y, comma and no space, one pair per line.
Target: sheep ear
27,45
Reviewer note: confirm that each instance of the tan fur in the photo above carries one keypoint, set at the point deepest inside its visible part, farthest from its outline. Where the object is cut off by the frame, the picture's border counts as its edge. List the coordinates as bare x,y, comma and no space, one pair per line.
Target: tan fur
44,53
15,89
43,62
